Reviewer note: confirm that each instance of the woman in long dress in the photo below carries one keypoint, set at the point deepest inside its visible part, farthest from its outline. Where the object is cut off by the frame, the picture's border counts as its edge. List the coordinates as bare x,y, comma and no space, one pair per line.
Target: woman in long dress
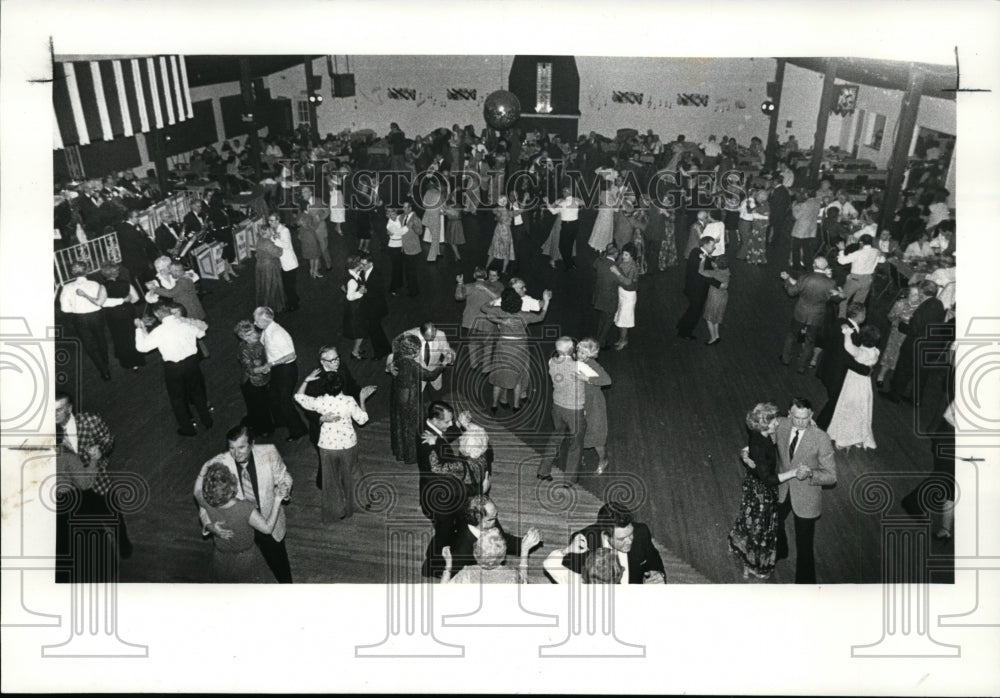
668,246
595,408
718,298
454,231
270,288
852,418
754,536
902,310
510,369
308,244
432,221
754,214
338,211
628,281
604,225
237,559
406,408
502,246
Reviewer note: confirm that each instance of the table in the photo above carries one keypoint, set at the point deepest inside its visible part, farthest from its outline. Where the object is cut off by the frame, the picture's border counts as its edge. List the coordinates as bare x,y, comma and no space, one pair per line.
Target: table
917,270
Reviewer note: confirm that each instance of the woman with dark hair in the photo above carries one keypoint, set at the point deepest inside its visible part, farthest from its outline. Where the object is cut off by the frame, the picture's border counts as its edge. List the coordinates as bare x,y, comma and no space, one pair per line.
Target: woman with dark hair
754,536
222,231
236,558
270,287
852,418
338,453
405,407
627,272
510,369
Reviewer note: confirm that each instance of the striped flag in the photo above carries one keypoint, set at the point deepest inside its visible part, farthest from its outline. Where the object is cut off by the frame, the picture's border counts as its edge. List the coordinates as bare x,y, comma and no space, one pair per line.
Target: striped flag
110,98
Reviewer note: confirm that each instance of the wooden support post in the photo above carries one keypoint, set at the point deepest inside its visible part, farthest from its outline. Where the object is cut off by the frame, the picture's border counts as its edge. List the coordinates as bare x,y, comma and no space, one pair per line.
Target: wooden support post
250,107
313,124
771,151
901,146
159,153
826,103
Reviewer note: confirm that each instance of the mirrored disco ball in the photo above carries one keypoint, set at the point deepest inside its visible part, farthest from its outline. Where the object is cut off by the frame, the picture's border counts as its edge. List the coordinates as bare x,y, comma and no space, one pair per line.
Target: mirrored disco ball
502,109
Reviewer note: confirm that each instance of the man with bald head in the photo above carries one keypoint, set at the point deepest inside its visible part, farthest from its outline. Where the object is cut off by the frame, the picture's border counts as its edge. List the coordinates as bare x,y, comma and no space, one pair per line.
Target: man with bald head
568,381
813,290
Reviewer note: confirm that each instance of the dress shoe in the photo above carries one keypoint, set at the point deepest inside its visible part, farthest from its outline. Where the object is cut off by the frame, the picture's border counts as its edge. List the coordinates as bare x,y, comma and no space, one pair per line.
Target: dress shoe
713,342
544,478
190,431
292,438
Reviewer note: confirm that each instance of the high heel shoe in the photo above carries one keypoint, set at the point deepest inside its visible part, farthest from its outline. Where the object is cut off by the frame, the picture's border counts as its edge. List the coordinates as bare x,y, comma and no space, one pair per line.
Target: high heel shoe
601,467
357,357
493,409
620,345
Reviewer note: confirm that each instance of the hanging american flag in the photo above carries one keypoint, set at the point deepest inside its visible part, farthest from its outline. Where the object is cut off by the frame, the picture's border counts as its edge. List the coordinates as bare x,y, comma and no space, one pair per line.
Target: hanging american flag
109,98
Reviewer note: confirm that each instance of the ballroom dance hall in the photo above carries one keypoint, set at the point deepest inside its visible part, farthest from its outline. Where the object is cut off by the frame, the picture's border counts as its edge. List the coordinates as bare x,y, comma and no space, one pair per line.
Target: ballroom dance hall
244,244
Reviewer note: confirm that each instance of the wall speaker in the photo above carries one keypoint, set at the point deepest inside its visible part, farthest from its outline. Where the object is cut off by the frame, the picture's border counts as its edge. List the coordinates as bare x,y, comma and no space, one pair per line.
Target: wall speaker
343,85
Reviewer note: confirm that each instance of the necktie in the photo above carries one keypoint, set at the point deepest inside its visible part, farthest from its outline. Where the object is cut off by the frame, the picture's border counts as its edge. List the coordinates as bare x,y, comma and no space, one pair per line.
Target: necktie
60,434
246,484
427,353
795,442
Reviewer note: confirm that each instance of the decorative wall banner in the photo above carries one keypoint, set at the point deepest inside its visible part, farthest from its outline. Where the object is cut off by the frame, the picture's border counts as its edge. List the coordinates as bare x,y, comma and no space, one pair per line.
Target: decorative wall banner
543,88
627,97
460,94
847,100
405,93
691,100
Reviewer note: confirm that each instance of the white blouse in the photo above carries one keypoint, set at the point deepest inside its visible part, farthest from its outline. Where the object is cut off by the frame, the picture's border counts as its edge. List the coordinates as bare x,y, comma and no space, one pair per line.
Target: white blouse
339,434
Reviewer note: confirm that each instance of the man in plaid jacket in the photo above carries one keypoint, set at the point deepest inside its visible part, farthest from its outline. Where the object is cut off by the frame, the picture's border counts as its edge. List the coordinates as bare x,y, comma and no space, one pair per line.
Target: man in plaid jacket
87,441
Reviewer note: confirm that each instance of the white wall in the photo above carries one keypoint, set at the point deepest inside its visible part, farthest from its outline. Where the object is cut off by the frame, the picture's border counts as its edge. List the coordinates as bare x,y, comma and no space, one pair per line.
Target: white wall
430,76
724,80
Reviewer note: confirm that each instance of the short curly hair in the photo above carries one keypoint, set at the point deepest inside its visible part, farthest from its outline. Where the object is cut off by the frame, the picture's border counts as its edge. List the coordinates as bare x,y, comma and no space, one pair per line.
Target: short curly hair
760,417
491,549
218,485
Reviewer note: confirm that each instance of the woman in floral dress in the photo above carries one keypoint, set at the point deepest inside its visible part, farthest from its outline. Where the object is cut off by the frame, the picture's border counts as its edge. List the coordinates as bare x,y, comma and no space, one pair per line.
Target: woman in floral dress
502,246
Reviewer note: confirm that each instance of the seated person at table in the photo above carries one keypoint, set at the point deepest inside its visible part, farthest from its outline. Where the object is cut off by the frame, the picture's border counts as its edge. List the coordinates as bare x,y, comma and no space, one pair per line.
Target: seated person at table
943,241
919,248
847,210
886,245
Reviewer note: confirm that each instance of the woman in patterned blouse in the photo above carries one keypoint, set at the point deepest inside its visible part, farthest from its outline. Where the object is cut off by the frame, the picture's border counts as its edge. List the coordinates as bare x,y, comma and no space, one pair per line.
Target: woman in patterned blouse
338,453
256,376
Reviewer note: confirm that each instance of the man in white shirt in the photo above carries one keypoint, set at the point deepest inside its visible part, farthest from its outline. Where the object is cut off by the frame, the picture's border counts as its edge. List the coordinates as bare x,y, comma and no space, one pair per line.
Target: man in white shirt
177,340
82,299
434,351
847,210
716,229
528,304
568,210
289,262
863,262
280,351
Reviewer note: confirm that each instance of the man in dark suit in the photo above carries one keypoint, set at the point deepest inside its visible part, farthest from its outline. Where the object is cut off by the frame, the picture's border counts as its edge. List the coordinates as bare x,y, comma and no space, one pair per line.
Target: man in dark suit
930,312
374,306
137,250
780,218
442,495
836,361
696,286
480,515
329,362
605,300
814,291
631,541
195,219
169,236
806,449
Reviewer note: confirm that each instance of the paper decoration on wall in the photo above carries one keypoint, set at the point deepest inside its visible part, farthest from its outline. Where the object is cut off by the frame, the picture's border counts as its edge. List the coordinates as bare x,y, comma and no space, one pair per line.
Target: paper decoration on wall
462,94
740,104
847,99
691,100
543,88
404,93
626,97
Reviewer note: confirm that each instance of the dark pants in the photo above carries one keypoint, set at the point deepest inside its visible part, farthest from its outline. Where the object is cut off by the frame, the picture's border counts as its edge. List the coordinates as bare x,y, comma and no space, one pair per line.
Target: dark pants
291,293
284,381
902,375
567,239
89,327
605,319
381,346
258,408
395,269
805,531
186,385
410,262
809,333
803,251
653,255
275,555
442,499
689,320
567,439
86,540
120,321
825,415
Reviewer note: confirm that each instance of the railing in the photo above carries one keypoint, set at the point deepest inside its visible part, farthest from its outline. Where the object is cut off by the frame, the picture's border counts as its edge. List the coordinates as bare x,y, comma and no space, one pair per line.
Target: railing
93,253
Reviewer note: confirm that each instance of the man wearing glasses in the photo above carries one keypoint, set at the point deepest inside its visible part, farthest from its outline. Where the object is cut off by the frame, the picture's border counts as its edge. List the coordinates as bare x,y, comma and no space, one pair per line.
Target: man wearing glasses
281,237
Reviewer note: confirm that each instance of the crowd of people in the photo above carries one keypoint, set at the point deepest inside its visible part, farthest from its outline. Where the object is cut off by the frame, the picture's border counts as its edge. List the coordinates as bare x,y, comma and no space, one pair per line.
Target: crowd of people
835,255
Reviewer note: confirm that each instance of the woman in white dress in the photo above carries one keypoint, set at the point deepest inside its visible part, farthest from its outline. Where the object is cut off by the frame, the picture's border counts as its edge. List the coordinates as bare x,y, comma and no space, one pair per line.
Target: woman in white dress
338,211
604,225
627,272
433,221
852,419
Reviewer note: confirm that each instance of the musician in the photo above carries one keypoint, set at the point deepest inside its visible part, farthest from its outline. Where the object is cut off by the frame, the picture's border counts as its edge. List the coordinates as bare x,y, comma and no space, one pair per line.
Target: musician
137,249
221,230
195,221
170,237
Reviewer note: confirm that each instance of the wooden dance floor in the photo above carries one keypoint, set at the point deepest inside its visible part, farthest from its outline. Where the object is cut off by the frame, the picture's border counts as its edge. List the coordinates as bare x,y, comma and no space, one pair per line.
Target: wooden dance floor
675,413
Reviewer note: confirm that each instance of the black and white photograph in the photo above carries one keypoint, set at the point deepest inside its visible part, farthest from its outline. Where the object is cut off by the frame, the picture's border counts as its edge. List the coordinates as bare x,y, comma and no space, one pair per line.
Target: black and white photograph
455,320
